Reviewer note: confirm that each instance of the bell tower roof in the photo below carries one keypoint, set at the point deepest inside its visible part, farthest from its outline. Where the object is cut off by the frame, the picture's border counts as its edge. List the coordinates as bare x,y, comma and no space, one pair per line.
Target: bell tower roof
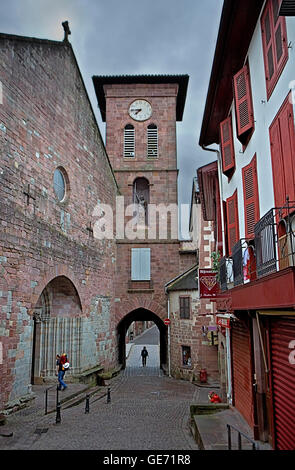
100,81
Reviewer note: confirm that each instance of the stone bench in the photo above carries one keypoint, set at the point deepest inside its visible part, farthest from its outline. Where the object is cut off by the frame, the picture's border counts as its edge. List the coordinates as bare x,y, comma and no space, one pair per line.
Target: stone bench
89,376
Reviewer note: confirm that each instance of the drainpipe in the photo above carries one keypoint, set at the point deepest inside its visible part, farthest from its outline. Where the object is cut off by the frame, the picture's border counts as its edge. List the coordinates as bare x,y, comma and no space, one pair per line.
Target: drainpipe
228,361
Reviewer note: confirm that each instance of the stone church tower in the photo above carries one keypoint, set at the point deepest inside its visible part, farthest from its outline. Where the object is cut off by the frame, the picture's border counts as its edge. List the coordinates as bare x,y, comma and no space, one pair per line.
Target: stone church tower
141,114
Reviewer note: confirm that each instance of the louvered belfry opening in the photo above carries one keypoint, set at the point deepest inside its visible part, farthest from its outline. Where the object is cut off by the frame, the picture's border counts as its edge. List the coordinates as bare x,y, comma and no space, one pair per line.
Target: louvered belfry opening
129,141
152,141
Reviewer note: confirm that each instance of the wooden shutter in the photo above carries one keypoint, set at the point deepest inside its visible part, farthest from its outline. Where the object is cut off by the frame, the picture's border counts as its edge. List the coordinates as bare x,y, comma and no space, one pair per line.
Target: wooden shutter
184,307
232,221
288,147
251,199
227,145
282,142
274,40
140,264
243,103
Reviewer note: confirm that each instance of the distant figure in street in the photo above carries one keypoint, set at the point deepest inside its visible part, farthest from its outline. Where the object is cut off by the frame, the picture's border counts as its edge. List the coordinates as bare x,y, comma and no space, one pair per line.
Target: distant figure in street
144,355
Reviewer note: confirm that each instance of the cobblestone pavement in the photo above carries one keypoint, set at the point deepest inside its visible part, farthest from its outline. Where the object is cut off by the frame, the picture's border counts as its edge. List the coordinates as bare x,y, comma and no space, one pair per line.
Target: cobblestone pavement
145,413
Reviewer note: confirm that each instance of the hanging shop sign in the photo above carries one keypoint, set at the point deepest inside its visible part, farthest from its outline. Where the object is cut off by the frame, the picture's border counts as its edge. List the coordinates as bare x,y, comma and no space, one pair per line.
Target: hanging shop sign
223,322
208,284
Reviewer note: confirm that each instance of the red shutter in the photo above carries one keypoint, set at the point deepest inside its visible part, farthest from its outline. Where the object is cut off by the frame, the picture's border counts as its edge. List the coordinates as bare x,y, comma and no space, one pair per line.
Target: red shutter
277,164
225,249
232,221
288,147
251,199
243,103
274,40
283,381
242,371
282,141
227,145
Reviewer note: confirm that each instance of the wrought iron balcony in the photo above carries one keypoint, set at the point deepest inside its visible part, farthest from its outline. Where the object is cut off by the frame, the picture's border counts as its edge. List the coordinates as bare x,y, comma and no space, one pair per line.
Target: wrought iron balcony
271,250
244,262
225,273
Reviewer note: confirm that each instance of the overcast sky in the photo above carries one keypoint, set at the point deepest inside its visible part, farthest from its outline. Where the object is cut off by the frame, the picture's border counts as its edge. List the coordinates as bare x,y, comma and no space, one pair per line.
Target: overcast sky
130,37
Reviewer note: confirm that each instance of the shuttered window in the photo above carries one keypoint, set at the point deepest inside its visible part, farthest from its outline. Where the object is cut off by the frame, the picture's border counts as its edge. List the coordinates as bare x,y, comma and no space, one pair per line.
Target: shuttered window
129,141
140,264
243,104
152,141
275,46
251,199
282,143
232,221
227,146
184,307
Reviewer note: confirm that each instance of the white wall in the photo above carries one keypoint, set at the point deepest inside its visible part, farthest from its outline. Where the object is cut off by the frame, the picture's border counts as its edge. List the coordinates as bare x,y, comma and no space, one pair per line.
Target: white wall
264,113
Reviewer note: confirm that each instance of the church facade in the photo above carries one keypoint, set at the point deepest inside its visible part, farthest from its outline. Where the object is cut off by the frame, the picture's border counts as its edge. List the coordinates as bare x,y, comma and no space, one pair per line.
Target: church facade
67,284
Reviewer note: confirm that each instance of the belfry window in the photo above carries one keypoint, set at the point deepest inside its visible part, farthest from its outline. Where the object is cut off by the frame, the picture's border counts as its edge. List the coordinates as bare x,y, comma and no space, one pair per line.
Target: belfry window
129,141
152,141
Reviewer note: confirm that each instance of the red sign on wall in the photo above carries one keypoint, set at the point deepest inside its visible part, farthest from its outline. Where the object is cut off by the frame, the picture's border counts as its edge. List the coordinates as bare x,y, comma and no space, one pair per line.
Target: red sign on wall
223,322
208,284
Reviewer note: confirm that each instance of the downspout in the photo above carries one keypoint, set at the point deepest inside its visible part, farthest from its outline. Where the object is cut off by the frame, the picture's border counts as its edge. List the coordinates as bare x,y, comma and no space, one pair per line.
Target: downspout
168,316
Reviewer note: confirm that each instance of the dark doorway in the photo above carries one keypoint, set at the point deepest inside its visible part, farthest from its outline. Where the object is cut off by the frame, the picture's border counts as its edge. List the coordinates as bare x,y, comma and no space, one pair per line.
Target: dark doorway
141,314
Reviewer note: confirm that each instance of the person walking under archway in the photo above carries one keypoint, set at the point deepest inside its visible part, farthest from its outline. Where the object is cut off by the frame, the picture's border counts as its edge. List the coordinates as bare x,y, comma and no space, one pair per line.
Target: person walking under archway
144,355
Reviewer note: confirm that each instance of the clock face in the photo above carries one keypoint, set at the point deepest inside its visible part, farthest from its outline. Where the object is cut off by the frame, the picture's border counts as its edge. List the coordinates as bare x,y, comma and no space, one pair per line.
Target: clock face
140,110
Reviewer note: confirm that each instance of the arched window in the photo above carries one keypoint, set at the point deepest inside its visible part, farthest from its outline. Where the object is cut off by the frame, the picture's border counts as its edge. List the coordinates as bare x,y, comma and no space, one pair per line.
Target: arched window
141,196
152,141
129,141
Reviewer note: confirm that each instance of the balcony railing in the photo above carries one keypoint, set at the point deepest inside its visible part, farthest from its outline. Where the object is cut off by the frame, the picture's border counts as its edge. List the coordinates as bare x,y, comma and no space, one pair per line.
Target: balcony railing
271,250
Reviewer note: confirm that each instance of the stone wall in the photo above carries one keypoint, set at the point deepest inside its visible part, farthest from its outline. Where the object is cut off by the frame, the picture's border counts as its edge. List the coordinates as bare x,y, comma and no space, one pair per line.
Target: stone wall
46,122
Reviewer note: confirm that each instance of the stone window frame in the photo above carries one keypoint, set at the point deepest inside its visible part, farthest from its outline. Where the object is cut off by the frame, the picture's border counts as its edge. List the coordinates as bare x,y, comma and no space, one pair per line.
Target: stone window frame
64,174
182,315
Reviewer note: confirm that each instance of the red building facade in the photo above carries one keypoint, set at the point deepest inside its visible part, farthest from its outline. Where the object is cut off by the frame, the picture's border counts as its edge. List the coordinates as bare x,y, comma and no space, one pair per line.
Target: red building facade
249,113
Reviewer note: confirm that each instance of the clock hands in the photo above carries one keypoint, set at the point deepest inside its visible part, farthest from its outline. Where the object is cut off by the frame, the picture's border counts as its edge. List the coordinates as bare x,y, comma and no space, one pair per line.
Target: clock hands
136,110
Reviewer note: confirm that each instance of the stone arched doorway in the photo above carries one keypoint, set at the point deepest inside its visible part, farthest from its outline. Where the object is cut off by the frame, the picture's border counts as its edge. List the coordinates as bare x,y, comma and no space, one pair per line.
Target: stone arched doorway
141,314
57,328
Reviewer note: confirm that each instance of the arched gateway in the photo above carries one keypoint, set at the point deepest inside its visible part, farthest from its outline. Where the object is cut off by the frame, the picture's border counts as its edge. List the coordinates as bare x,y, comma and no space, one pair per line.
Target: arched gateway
57,327
141,314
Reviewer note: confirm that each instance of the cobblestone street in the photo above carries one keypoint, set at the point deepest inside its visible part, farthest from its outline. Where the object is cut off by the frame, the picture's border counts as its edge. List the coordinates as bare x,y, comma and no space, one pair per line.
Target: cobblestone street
148,411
